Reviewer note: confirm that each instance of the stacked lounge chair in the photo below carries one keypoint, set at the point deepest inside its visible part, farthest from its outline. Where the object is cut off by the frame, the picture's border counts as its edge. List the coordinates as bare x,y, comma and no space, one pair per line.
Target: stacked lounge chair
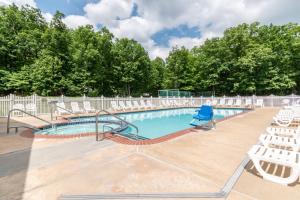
279,146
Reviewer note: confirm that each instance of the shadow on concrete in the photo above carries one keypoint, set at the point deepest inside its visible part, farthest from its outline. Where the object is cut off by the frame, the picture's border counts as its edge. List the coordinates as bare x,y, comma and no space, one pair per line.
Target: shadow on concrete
14,161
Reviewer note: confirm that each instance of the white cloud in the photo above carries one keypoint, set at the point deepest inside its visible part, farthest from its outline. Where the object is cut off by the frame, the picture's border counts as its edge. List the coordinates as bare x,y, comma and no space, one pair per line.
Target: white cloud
211,17
73,21
48,16
18,2
107,12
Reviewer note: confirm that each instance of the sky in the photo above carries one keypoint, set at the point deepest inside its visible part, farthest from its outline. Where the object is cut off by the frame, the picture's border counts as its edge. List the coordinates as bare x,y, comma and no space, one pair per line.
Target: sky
160,25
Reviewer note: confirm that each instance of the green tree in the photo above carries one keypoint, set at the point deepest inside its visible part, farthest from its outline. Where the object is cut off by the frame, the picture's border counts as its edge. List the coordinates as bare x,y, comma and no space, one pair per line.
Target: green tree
157,75
131,67
179,70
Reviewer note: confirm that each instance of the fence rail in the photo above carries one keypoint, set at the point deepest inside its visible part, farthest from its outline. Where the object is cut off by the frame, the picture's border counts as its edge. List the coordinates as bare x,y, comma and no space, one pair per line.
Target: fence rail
42,104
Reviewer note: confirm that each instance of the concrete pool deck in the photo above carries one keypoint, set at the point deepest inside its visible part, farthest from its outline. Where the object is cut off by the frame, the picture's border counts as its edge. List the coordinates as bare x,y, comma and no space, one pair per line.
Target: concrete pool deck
200,161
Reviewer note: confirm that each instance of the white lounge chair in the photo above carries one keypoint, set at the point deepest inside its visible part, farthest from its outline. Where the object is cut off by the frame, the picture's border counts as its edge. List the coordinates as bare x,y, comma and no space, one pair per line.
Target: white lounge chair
276,156
137,105
75,108
271,140
259,103
284,118
115,106
130,106
207,102
164,103
285,102
31,108
149,104
192,103
20,107
87,107
144,105
214,102
61,109
229,102
248,103
238,103
222,102
123,106
281,131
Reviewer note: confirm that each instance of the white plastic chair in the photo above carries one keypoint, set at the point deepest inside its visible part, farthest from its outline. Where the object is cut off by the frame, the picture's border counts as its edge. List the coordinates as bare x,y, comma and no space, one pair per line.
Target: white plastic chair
222,102
259,103
279,157
282,131
137,105
130,106
20,107
123,106
75,108
87,107
229,102
248,103
284,118
115,106
287,142
61,108
238,103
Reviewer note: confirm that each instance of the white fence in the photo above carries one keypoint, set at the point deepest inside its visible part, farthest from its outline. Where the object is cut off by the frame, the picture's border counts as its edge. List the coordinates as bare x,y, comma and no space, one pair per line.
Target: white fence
43,106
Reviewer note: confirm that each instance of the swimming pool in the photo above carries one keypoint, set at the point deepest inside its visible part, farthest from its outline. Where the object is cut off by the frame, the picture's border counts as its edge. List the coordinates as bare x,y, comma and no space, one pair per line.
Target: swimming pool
151,124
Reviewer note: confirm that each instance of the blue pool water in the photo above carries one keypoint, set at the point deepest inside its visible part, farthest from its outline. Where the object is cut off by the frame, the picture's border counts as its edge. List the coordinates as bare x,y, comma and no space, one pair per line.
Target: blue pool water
151,124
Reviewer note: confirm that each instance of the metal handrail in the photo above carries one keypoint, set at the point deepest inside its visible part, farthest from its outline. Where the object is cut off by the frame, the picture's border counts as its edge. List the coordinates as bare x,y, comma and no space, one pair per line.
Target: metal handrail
23,111
119,118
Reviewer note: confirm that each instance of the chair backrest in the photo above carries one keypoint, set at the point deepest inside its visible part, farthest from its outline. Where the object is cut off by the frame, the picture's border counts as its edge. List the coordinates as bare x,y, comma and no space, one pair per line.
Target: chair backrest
129,104
207,102
30,107
87,105
260,102
122,105
248,102
61,104
230,102
75,106
136,104
207,111
18,106
238,102
222,101
142,103
148,103
113,104
285,102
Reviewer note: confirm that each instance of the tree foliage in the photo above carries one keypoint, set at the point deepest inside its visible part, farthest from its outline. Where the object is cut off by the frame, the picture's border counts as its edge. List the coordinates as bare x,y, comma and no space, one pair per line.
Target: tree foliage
51,59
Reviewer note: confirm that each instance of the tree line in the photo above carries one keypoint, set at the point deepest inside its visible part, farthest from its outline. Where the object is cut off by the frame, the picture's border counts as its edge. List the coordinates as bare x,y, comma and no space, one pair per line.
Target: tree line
50,59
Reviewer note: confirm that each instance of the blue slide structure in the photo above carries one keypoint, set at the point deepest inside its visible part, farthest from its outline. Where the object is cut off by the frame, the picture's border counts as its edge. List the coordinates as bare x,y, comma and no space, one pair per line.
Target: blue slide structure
205,114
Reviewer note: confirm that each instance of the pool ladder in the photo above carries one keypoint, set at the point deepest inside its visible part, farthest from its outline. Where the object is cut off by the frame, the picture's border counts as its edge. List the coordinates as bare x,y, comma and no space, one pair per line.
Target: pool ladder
117,117
8,127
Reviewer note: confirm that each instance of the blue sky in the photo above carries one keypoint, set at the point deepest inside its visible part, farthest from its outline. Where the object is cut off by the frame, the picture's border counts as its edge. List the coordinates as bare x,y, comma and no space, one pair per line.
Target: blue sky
68,7
159,25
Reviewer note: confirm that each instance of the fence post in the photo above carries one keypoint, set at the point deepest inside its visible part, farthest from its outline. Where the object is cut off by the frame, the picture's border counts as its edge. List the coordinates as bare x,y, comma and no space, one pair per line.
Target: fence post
102,102
293,99
272,100
35,103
